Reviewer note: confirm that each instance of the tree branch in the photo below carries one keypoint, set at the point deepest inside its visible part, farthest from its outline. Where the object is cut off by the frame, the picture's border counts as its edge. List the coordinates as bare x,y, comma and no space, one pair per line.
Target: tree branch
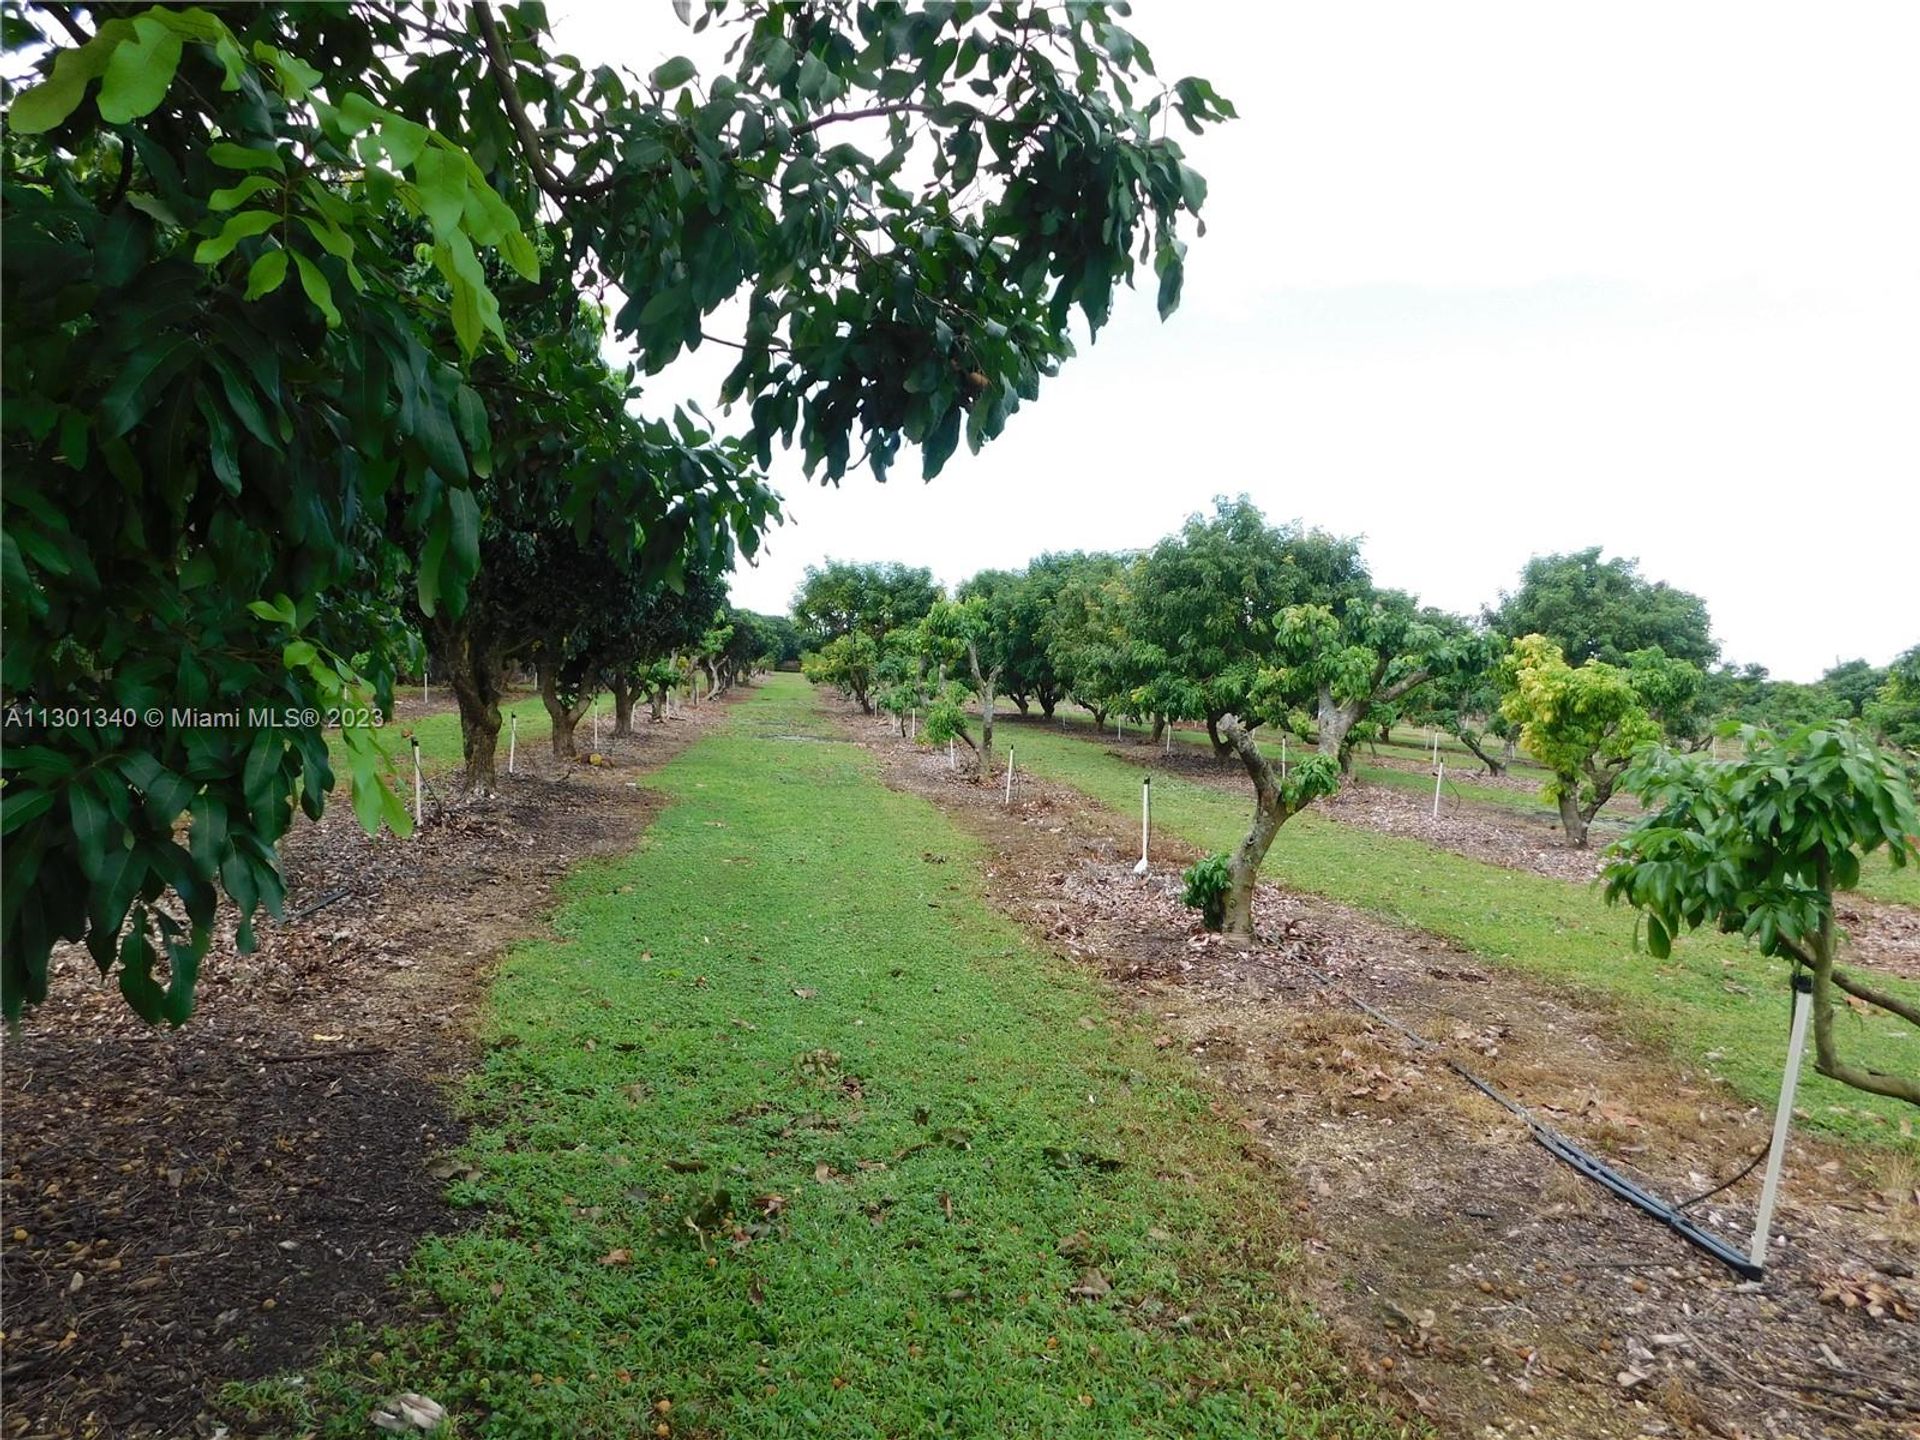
1860,990
1405,683
872,112
545,176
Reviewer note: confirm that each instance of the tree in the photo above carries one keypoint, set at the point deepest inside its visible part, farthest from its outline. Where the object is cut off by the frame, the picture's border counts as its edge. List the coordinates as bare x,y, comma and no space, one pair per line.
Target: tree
1853,683
846,662
1603,610
635,658
841,597
1359,662
1206,605
218,477
1465,703
1758,846
782,638
1085,631
1584,723
972,630
1895,710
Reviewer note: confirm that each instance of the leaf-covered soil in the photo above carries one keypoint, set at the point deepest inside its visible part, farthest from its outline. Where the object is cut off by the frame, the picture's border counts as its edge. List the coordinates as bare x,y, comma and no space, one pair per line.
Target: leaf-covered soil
1497,1291
1879,935
188,1207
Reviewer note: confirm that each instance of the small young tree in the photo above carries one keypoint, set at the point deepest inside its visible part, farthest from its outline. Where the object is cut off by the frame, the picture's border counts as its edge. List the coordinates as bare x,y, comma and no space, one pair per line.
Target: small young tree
966,630
1758,846
1583,723
847,663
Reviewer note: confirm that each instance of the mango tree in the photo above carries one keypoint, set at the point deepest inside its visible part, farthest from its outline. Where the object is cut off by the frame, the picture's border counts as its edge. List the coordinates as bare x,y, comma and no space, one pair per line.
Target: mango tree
1206,604
252,255
1758,845
848,663
969,633
1584,723
1085,631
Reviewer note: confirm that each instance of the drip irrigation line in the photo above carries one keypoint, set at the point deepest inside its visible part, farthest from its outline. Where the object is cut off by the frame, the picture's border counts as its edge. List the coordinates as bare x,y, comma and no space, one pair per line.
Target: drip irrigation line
1556,1144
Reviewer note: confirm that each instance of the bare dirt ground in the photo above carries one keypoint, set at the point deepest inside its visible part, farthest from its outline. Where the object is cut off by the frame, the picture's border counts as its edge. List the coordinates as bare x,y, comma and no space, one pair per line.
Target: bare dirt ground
1488,1286
1879,935
189,1207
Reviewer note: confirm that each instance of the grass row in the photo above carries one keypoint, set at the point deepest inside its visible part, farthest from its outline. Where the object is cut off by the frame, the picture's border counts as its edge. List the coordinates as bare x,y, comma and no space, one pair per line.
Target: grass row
790,1134
1715,1003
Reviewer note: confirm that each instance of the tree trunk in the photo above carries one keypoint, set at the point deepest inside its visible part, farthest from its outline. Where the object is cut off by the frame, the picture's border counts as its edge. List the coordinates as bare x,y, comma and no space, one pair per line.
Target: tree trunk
564,716
475,678
1023,702
623,698
1099,717
1571,819
657,706
1221,748
1270,812
1511,751
1048,699
1159,729
1336,721
985,693
1472,741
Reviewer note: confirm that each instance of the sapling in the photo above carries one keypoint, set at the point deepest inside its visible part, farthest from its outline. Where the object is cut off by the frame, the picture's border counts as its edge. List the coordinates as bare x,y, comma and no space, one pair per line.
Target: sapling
1758,845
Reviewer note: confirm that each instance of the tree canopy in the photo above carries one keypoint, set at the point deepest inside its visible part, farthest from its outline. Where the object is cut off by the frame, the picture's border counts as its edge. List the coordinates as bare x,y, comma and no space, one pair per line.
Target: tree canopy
1596,609
268,348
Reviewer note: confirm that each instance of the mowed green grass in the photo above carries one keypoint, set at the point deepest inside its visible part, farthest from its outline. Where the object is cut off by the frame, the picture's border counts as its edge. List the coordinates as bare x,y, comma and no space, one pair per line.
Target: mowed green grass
1716,1002
788,1127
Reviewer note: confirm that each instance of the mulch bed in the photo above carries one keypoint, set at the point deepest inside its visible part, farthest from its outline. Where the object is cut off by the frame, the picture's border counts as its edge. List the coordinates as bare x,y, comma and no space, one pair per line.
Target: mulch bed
185,1208
1492,1289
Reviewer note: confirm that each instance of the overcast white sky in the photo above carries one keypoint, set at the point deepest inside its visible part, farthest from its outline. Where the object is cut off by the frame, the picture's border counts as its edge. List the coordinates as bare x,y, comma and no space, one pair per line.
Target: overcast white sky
1483,281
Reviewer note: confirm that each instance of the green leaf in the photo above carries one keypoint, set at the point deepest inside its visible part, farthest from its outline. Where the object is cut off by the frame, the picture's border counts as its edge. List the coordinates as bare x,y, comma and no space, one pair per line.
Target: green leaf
236,195
317,288
140,72
266,274
677,71
297,653
238,227
1659,942
49,103
241,157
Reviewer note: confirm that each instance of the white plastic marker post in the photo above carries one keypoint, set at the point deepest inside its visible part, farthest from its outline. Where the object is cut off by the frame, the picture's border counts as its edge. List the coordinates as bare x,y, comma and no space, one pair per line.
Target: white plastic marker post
1169,737
1439,773
513,739
595,712
425,695
1118,728
1146,821
1782,1117
952,763
1283,757
419,811
913,723
1009,775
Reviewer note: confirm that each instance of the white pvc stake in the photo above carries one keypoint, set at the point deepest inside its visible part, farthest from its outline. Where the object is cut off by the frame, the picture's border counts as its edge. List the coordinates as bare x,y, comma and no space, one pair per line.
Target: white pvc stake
1283,757
1169,737
1118,731
952,763
913,723
1436,746
1439,773
1009,775
513,739
425,695
419,812
1782,1117
1146,822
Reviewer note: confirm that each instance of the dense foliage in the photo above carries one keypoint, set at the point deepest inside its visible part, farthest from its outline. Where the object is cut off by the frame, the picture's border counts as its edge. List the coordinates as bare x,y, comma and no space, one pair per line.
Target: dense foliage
1758,845
1603,610
268,368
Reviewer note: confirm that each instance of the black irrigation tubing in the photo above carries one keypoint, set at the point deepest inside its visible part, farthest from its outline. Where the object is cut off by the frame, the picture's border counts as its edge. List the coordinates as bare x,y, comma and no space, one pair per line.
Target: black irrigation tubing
1561,1148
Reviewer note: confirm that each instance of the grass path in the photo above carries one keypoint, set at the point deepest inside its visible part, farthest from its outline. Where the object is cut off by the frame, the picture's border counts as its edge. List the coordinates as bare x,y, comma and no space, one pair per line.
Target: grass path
1715,1003
791,1130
